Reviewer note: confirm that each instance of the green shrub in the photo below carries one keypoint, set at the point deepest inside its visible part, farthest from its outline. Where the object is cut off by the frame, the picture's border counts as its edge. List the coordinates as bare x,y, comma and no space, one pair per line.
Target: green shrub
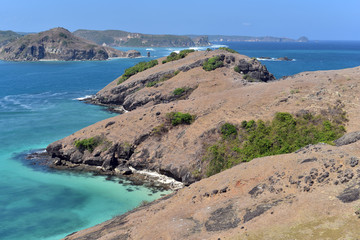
284,134
237,69
213,63
177,118
209,49
141,66
228,49
162,79
228,130
151,84
248,78
62,35
176,56
159,130
178,91
87,144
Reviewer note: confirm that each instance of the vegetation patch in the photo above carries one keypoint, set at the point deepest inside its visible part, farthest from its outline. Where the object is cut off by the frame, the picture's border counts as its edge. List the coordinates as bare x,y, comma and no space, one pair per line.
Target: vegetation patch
249,78
141,66
177,118
159,130
284,134
213,63
87,144
176,56
178,91
228,49
162,79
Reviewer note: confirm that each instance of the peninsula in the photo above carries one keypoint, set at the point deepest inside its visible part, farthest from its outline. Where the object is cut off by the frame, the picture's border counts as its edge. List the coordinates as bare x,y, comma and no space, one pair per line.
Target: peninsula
118,38
58,44
261,159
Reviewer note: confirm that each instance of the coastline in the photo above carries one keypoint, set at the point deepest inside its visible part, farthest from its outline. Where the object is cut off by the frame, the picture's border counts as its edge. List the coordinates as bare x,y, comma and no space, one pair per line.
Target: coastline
151,179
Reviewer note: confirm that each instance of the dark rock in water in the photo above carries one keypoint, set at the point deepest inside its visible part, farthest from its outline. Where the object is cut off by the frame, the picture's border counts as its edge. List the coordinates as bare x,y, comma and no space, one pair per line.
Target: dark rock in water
284,59
348,138
123,170
349,195
222,219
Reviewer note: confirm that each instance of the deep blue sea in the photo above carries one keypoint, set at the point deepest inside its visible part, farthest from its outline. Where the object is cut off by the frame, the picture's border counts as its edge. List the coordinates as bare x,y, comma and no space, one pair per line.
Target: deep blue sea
38,106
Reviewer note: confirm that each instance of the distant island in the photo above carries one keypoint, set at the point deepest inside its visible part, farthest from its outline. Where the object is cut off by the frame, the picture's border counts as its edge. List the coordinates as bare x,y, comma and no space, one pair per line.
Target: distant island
118,38
57,44
224,38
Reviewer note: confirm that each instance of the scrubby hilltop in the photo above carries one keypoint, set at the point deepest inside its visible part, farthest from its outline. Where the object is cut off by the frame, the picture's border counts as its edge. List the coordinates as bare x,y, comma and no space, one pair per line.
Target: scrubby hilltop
145,138
211,119
58,44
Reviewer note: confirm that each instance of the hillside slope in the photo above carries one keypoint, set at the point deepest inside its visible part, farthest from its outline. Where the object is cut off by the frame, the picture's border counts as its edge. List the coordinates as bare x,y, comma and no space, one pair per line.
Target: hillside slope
311,194
58,44
8,36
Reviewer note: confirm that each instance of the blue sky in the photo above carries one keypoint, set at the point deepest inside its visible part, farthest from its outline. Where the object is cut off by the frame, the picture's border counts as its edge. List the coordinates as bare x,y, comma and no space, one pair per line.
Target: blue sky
316,19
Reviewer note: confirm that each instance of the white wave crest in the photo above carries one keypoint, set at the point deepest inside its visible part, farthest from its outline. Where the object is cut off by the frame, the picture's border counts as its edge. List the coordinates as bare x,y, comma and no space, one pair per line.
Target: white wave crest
218,46
29,102
150,49
83,98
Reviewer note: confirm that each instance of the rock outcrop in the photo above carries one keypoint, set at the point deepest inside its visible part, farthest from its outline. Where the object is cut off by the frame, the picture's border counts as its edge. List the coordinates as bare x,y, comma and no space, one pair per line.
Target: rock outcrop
58,44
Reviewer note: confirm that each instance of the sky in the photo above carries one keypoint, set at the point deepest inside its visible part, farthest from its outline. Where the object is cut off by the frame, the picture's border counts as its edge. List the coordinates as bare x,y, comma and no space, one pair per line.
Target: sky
316,19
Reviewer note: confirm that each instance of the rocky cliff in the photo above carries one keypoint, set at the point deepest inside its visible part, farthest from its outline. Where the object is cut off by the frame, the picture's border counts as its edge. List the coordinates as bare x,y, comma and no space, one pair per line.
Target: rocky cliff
58,44
118,38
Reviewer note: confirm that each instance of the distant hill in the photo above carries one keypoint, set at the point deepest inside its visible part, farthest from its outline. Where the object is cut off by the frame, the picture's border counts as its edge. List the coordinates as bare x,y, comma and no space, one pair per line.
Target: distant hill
117,38
58,44
224,38
8,36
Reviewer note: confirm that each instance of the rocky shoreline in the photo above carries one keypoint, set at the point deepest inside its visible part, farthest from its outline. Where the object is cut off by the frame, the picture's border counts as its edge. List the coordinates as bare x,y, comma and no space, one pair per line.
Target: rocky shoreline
40,158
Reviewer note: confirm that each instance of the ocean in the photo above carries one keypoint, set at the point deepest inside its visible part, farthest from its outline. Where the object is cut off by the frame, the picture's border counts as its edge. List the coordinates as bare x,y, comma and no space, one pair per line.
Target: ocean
38,105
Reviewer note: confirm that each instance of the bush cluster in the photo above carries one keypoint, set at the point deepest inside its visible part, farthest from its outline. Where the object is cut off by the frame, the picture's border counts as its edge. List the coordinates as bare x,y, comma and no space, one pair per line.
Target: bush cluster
87,144
228,49
177,118
284,134
141,66
213,63
178,91
176,56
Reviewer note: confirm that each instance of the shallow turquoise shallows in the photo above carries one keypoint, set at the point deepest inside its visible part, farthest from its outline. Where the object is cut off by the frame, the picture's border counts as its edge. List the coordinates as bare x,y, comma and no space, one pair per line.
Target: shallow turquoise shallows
38,106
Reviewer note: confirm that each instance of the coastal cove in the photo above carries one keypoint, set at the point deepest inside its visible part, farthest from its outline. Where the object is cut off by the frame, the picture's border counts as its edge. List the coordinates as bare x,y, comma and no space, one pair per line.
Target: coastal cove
38,106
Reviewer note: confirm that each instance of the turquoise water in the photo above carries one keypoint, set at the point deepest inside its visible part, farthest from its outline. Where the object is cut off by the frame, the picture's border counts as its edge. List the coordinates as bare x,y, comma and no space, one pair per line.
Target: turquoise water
38,106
